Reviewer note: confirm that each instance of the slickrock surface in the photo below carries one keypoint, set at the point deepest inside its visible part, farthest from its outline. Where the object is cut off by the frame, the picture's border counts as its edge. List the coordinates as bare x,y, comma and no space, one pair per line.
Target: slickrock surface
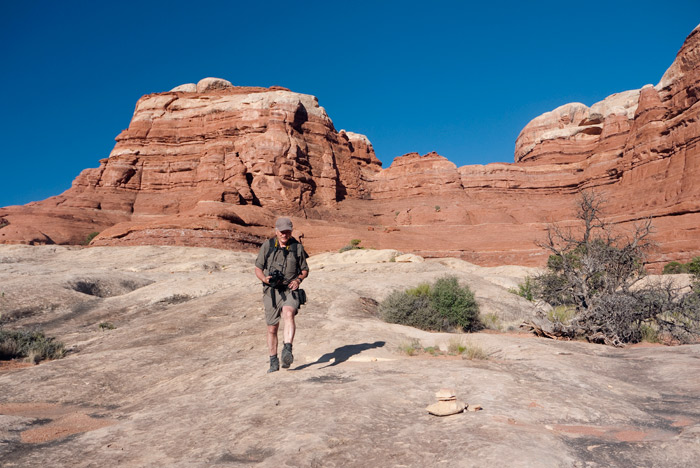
211,164
181,380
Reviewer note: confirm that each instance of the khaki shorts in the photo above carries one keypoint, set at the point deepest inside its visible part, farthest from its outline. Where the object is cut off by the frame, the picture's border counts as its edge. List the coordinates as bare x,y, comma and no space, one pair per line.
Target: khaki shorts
282,298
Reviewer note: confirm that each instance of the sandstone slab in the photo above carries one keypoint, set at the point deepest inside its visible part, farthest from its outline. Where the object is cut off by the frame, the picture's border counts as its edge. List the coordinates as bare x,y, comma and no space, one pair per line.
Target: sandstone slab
182,378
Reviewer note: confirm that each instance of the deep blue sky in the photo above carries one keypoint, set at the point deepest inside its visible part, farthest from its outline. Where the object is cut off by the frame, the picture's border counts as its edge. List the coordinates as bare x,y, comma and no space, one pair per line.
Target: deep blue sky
459,78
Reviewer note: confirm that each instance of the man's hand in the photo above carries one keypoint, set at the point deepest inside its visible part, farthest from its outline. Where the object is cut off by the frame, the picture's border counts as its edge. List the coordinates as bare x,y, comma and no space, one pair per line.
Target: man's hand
294,284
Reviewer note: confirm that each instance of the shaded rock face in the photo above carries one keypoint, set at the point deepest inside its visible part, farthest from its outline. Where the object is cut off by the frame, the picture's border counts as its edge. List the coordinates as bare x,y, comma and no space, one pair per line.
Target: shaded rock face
212,164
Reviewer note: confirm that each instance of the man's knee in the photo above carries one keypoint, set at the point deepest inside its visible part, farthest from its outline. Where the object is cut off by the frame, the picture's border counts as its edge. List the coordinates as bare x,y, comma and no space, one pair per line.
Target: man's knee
288,312
272,329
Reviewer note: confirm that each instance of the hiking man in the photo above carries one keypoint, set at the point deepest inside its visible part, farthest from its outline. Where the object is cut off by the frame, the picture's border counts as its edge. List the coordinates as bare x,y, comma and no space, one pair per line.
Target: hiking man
281,266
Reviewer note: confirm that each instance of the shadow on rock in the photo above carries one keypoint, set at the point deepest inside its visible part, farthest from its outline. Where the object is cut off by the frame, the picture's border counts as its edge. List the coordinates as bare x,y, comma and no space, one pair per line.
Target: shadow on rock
342,354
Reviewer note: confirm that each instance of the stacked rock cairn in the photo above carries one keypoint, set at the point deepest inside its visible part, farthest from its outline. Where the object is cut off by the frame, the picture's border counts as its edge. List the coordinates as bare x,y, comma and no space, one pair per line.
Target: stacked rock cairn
448,404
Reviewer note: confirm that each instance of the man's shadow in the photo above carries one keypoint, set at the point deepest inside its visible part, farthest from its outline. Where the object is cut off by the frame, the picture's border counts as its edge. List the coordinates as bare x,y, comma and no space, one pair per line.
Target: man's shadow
342,354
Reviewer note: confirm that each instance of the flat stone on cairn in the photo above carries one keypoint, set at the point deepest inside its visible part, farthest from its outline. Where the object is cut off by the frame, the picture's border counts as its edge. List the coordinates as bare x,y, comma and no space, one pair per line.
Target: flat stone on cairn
447,403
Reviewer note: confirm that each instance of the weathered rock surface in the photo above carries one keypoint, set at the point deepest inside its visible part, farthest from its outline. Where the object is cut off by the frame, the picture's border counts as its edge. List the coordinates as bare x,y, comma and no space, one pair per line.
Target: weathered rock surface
211,164
181,380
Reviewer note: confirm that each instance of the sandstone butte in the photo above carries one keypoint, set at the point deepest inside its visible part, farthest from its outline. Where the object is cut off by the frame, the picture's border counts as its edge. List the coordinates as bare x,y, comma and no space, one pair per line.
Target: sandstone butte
212,164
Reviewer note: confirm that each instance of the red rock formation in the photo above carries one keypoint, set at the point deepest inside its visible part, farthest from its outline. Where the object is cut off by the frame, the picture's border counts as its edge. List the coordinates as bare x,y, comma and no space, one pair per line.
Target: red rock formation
212,164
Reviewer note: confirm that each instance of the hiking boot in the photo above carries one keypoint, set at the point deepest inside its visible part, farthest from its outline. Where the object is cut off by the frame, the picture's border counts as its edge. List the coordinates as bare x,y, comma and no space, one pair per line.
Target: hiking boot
274,364
287,356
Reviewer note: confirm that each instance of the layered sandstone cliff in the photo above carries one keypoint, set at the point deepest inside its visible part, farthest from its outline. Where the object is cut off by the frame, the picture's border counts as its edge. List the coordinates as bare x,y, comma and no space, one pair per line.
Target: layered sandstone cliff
212,164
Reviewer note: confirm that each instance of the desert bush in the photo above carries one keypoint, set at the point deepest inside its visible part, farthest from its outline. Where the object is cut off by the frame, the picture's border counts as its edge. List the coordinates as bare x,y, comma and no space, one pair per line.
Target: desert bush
454,303
410,348
561,314
466,349
491,321
692,267
406,309
475,352
353,245
456,346
32,345
525,289
650,334
674,268
443,306
90,237
594,273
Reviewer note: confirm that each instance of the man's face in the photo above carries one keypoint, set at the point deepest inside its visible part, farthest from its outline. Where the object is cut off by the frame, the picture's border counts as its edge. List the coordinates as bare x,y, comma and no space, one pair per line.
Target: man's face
283,236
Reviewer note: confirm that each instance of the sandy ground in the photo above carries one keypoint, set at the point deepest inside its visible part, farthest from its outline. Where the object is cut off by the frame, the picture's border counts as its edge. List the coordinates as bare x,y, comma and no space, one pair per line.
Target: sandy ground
181,380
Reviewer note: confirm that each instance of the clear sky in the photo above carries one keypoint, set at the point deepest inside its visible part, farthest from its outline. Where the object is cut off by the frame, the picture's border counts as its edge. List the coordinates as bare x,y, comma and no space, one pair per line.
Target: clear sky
459,78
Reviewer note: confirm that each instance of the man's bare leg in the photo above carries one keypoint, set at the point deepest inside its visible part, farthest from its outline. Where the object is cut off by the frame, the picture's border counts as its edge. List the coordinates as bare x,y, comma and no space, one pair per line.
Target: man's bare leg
289,330
290,327
272,347
272,339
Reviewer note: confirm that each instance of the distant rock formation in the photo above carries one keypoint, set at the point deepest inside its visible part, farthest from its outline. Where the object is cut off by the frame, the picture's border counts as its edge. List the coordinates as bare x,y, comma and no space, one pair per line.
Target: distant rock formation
211,164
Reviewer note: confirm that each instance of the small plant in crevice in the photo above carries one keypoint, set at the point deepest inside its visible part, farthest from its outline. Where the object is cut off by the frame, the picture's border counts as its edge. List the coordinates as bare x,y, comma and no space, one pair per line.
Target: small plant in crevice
456,347
106,326
466,349
353,245
491,321
525,289
176,299
410,348
90,237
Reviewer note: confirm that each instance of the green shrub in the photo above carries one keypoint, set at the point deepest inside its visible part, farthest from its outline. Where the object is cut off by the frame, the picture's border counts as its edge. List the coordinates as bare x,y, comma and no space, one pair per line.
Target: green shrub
32,345
90,237
454,303
414,311
674,268
692,267
440,307
526,289
106,326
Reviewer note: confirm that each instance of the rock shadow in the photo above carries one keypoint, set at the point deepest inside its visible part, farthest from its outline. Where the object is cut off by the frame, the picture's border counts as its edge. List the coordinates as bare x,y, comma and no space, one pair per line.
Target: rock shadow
342,354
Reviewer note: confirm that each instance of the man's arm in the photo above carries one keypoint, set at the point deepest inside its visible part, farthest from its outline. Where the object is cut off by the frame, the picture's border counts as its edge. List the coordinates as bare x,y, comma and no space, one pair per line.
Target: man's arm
294,284
261,276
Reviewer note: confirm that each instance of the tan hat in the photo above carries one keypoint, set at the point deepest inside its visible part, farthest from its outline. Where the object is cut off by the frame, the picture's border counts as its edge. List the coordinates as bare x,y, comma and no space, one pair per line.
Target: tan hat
283,224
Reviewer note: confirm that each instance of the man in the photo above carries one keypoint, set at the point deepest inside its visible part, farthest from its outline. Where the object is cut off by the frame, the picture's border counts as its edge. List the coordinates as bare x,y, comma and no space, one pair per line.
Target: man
281,257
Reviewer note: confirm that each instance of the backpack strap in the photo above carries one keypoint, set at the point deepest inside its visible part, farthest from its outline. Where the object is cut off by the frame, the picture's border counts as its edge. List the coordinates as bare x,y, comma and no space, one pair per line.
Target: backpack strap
272,248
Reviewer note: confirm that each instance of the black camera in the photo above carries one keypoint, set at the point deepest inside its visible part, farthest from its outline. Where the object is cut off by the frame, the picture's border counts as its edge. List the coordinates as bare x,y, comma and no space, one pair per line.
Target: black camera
276,279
